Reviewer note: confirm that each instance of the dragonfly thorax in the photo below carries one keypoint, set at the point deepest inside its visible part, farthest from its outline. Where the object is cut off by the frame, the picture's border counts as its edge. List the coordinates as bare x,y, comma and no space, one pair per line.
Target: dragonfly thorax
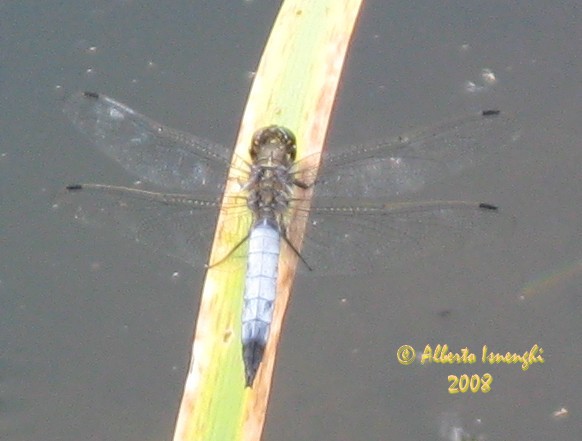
270,184
268,200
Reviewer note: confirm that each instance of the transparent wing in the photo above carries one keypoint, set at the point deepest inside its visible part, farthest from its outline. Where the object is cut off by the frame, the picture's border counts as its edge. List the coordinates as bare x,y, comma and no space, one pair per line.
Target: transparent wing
173,224
148,150
370,237
340,239
409,162
343,236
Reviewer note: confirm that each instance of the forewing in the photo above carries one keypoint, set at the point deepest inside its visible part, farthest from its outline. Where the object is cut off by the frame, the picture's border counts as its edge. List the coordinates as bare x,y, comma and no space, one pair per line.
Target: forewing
409,162
147,149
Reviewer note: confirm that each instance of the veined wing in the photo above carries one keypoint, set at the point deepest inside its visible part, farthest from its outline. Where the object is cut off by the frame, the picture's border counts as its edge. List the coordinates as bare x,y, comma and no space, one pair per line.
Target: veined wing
410,161
340,238
358,237
147,149
177,225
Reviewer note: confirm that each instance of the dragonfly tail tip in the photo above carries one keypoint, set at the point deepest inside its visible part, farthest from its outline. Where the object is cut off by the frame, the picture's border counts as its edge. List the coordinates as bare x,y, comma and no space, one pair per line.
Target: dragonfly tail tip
252,355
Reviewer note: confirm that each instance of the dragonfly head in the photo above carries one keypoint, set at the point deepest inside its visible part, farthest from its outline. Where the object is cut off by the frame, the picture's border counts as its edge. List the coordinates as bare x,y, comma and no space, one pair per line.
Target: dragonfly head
274,144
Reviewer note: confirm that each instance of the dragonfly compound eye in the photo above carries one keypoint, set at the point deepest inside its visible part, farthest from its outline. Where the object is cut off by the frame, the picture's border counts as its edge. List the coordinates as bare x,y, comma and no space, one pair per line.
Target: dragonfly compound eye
288,139
274,135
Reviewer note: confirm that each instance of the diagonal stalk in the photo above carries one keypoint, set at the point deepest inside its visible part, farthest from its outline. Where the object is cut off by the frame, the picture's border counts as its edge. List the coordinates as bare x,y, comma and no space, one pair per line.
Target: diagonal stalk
295,87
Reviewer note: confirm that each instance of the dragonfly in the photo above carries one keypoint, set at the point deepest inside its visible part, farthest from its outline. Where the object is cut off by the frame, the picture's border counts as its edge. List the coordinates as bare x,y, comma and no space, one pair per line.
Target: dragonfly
352,225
